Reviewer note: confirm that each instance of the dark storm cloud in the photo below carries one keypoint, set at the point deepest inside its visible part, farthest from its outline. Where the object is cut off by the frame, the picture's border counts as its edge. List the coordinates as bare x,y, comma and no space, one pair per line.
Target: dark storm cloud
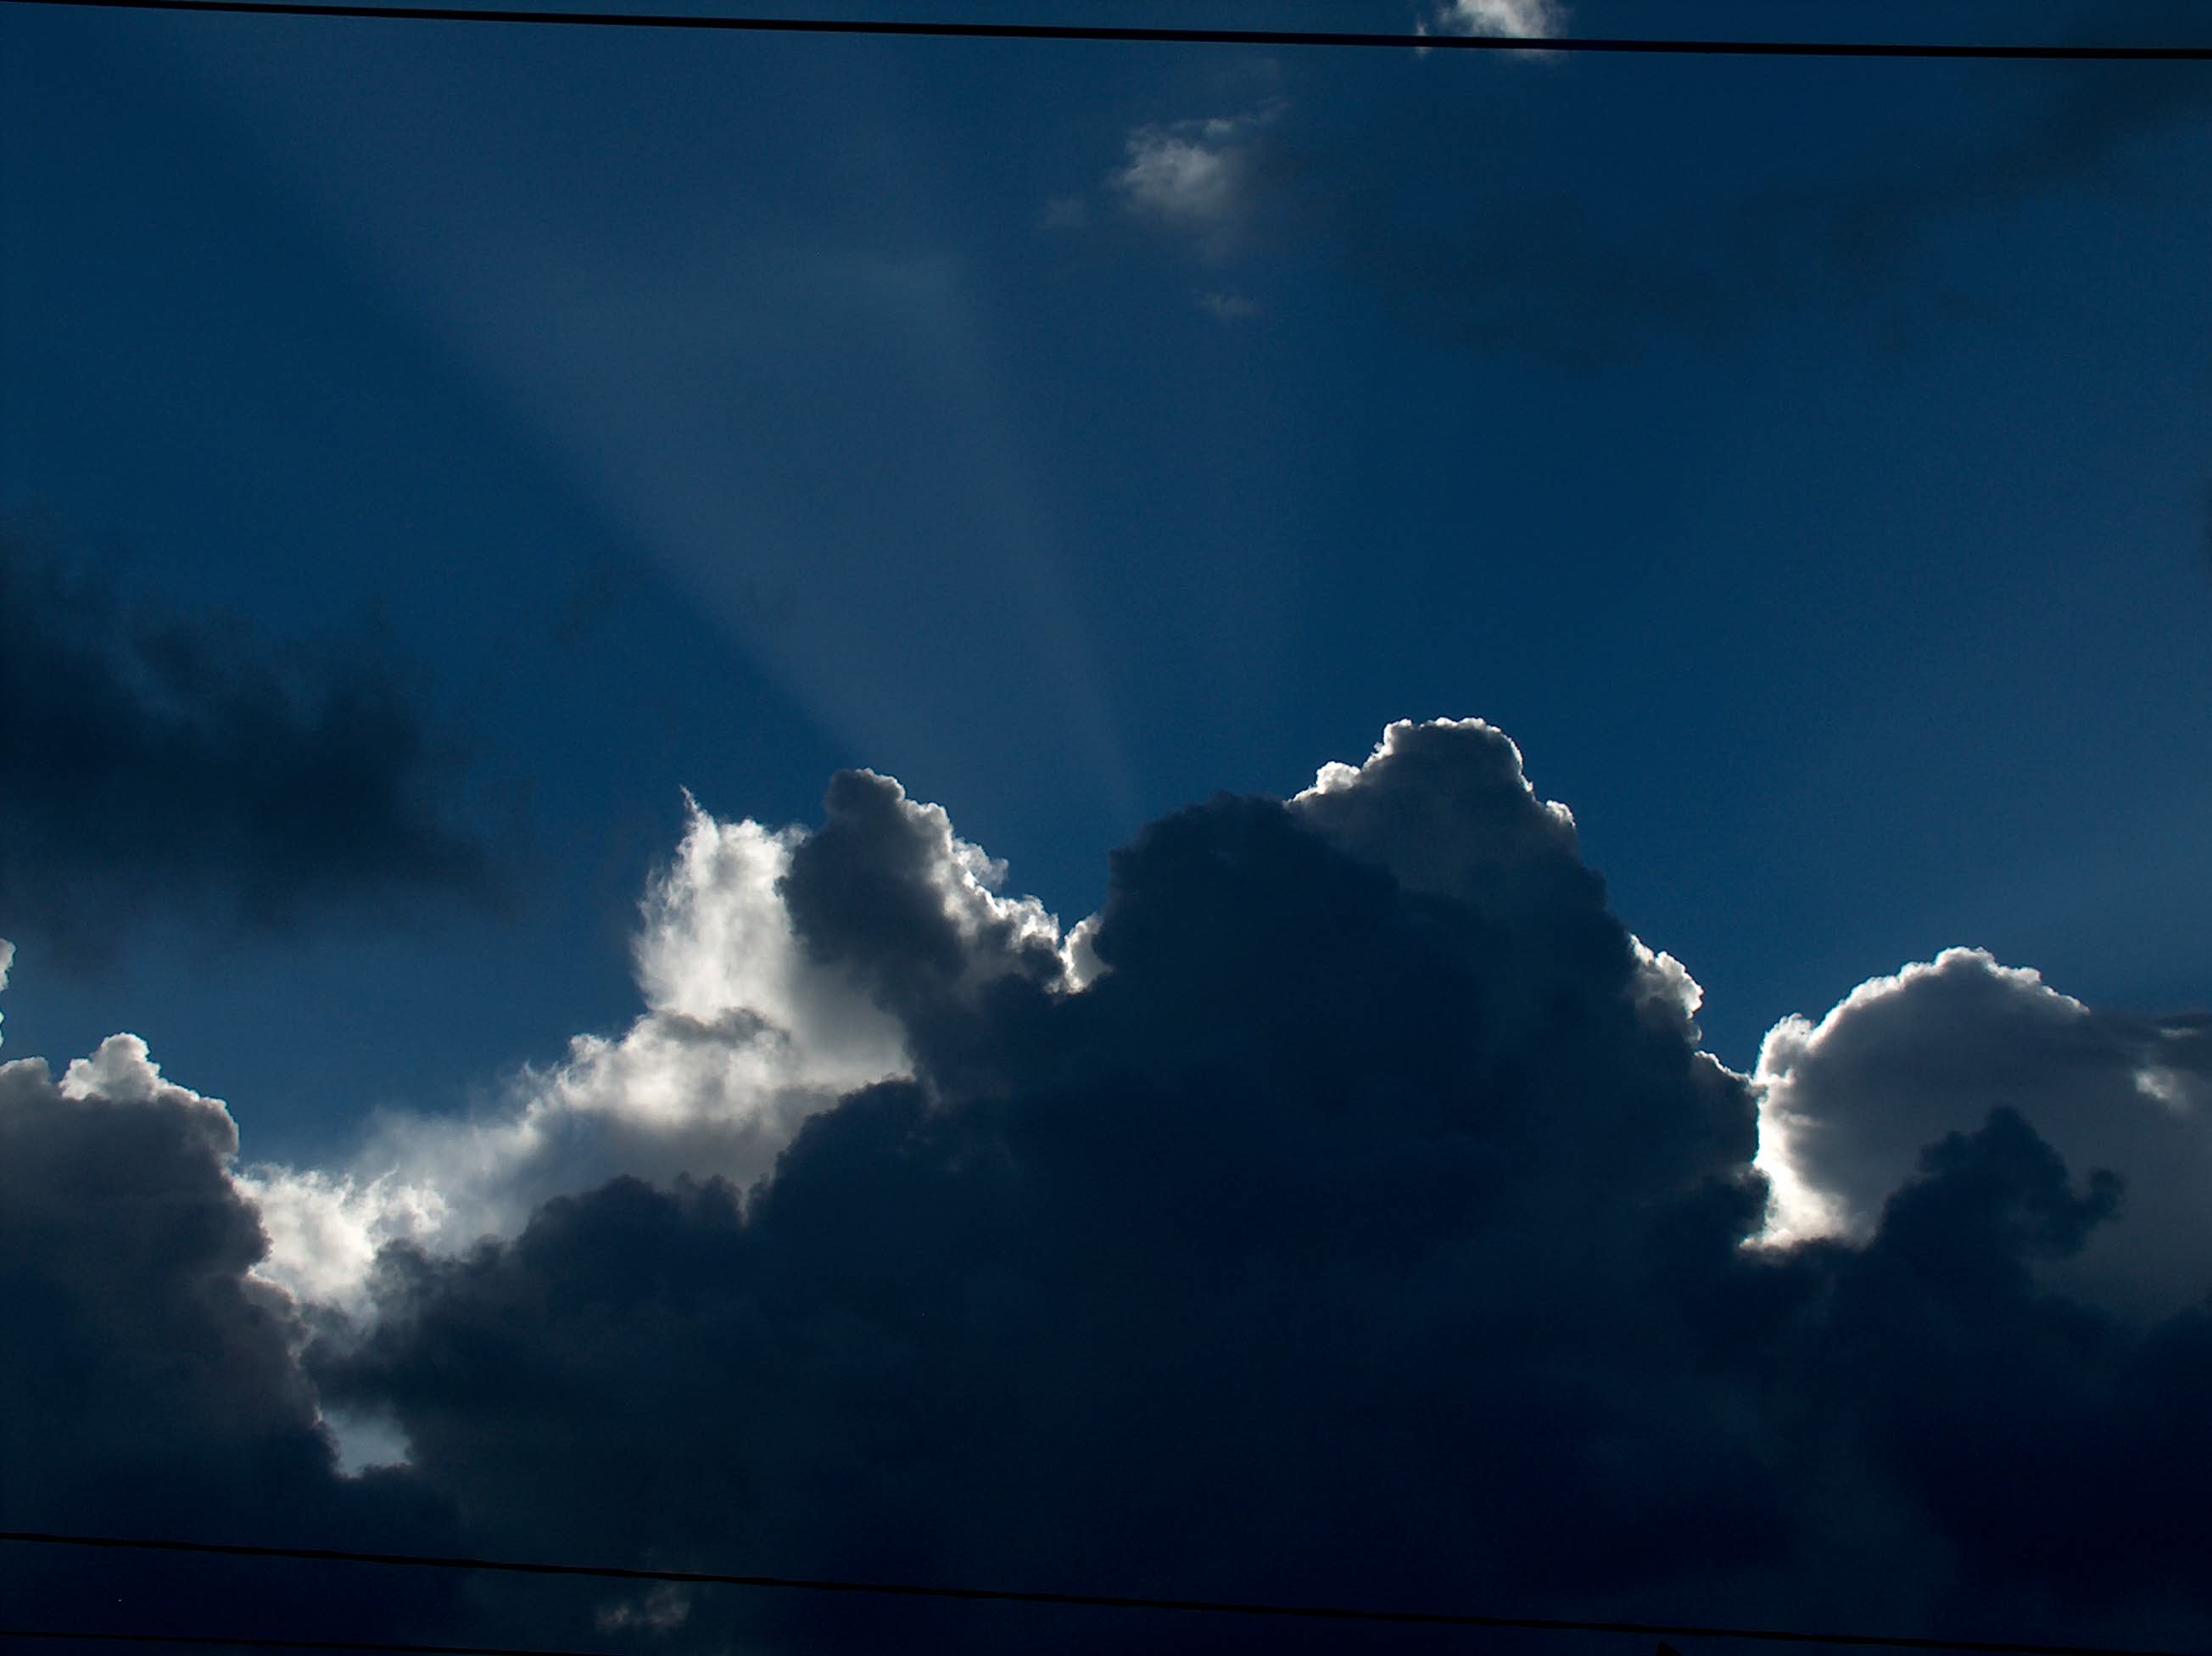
1848,1103
1367,1229
1325,1245
2058,1454
1853,235
150,1383
1361,1233
878,891
156,763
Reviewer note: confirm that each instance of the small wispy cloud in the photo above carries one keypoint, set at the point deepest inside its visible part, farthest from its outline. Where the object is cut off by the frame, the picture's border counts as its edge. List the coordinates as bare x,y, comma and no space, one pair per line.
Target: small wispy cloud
1229,306
1504,18
661,1608
1197,178
1065,213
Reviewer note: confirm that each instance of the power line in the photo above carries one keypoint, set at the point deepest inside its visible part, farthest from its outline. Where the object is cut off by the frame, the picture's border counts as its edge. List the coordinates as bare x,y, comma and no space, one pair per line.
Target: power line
57,1636
1237,37
1083,1600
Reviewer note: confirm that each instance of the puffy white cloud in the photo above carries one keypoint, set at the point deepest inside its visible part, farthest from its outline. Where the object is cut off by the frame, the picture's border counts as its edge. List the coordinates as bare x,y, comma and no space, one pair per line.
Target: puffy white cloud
154,1382
1847,1102
1448,807
741,1038
324,1227
7,961
1199,178
745,1034
122,1071
662,1609
1525,19
1664,989
1065,213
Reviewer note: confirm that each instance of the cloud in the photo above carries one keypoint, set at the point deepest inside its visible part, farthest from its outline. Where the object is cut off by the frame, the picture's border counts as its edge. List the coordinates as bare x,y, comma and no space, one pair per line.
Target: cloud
1207,182
1105,1253
2048,1454
1542,19
1846,1103
762,956
149,1368
1066,213
1464,247
159,763
1344,1212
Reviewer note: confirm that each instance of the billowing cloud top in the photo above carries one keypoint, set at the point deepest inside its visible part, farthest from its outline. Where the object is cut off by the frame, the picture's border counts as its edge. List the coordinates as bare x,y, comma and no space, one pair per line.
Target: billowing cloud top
1848,1102
1344,1212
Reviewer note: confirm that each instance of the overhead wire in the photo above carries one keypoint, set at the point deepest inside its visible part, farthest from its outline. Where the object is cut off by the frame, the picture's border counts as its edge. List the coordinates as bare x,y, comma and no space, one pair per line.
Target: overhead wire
919,28
1081,1600
911,29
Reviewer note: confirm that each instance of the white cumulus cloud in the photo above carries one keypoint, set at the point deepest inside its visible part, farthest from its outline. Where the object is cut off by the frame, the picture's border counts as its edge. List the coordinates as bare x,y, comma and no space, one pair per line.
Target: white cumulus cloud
744,1036
1545,19
1847,1102
1199,178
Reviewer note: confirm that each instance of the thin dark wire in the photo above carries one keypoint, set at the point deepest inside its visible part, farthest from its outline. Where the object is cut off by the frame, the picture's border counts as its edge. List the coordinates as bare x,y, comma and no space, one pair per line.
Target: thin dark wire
232,1643
1086,1600
1237,37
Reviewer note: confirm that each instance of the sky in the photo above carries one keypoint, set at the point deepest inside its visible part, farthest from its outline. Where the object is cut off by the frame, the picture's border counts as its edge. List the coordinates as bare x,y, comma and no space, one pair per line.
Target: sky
932,781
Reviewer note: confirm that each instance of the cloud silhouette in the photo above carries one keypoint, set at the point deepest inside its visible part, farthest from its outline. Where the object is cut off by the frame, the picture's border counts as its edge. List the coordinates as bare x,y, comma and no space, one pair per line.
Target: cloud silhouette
1345,1213
1507,17
152,1383
1847,1104
1209,182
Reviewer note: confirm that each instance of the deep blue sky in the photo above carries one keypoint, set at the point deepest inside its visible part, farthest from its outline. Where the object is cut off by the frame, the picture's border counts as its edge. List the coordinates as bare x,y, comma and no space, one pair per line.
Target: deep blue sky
1806,462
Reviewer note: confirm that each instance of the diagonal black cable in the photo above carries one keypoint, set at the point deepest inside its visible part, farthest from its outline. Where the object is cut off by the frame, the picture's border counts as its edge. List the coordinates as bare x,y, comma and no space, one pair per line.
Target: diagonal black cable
1083,1600
1098,32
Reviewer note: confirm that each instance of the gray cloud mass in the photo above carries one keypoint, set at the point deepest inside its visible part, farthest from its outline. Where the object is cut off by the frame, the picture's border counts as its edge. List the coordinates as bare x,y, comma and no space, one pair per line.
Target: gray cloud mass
1351,1217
